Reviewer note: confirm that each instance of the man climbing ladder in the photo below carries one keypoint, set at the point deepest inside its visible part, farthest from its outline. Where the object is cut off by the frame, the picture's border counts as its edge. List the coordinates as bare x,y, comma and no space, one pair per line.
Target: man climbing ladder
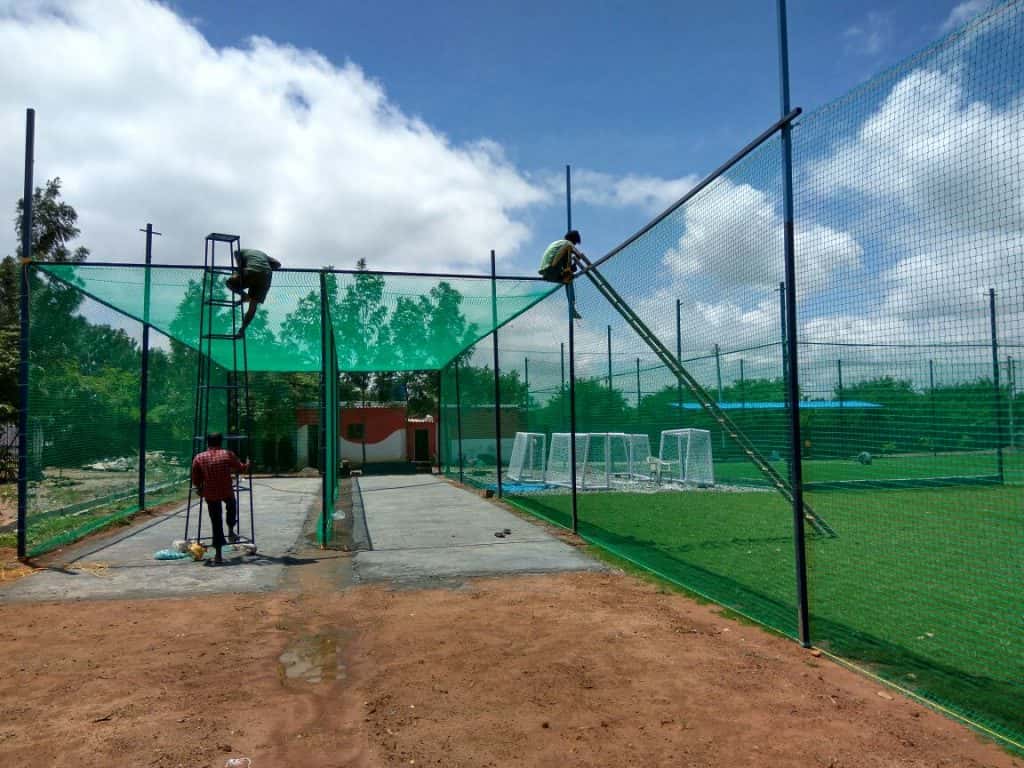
252,280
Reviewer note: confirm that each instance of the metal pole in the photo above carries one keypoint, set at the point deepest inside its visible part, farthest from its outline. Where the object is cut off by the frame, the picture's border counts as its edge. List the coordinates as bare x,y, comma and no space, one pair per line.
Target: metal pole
497,372
568,198
679,356
785,367
718,376
931,400
572,370
458,419
1011,386
638,393
743,387
995,385
144,379
572,422
609,358
791,324
526,376
23,347
842,430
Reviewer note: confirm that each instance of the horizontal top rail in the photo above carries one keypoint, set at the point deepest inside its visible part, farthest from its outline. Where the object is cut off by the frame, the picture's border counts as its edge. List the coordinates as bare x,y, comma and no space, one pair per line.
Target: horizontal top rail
299,270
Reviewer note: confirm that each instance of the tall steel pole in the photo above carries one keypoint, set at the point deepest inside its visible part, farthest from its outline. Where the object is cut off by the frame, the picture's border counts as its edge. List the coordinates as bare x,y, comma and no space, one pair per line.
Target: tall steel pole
572,370
23,346
609,358
679,356
144,378
796,468
497,372
995,385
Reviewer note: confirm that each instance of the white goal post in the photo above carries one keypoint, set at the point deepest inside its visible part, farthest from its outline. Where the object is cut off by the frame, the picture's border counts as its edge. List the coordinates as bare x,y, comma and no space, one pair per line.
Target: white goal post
685,457
602,459
528,454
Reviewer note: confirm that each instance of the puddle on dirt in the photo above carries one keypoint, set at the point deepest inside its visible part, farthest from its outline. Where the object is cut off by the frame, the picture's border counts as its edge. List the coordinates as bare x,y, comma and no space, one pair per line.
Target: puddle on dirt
315,658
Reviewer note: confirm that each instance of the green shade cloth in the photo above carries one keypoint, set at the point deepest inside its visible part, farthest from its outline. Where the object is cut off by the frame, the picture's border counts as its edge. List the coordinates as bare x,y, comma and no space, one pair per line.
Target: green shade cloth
382,322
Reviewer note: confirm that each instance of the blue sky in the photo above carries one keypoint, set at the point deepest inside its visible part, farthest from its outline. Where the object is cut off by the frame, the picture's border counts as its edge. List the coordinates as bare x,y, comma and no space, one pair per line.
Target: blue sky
420,136
666,89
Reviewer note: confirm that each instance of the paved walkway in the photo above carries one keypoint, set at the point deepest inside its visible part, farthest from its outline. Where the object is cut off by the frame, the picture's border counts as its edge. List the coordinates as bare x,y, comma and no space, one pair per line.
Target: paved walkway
423,528
123,566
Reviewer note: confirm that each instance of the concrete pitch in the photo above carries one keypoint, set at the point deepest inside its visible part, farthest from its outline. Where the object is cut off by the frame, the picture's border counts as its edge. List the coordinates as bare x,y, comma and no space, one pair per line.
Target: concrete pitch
423,528
122,565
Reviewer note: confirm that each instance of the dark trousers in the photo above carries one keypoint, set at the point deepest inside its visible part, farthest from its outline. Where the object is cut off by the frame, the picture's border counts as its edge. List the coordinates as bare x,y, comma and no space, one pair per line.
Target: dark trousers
214,506
556,274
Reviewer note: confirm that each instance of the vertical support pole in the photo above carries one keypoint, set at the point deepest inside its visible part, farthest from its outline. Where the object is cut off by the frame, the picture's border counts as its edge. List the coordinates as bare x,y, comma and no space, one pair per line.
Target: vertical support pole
718,378
326,502
679,356
995,386
639,394
526,383
796,468
458,420
568,198
839,391
497,372
572,371
743,387
1011,387
144,378
609,358
931,400
572,422
23,346
785,368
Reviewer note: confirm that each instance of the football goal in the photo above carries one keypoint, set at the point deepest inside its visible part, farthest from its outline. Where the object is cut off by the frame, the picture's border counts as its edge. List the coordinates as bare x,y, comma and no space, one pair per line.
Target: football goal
528,453
685,457
602,459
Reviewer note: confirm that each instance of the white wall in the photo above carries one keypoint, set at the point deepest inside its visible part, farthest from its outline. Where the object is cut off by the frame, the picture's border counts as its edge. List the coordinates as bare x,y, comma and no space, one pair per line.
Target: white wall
391,448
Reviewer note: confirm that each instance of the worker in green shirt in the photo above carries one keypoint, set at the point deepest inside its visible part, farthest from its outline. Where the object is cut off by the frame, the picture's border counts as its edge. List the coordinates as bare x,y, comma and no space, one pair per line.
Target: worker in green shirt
558,265
251,280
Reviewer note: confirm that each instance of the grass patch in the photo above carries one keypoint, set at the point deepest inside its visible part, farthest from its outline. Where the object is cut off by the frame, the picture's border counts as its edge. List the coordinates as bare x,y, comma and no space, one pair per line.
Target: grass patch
883,468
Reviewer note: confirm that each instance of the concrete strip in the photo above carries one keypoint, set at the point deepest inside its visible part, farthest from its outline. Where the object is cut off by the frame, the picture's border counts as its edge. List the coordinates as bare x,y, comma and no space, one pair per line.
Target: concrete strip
122,566
424,528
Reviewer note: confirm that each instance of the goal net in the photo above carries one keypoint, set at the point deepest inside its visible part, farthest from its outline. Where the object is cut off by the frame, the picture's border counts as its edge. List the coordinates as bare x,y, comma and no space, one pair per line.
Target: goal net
527,462
602,458
685,457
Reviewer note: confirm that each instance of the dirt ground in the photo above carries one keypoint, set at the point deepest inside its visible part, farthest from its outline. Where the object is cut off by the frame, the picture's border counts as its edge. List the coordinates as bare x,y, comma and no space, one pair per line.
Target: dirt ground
569,670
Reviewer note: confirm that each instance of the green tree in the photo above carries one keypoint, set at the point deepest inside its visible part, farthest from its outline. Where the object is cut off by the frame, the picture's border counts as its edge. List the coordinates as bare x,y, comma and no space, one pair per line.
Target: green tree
55,332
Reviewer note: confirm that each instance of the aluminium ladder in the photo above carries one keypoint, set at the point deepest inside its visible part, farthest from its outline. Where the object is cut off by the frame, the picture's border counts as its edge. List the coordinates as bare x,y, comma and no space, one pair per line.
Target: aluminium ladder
701,395
220,317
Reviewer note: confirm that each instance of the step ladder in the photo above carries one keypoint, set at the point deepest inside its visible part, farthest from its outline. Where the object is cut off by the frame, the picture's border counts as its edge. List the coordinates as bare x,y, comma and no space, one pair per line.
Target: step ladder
701,395
230,411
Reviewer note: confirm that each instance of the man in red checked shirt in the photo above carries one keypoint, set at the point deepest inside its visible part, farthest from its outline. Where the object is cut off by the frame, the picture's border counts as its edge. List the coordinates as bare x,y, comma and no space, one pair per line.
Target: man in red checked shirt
213,473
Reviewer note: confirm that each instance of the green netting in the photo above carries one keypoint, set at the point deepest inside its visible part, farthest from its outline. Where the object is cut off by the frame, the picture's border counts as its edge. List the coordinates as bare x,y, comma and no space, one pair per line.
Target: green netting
382,322
909,240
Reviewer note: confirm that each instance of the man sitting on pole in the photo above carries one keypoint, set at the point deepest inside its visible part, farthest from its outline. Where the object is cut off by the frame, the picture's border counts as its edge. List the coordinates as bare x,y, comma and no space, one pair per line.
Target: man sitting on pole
251,281
558,265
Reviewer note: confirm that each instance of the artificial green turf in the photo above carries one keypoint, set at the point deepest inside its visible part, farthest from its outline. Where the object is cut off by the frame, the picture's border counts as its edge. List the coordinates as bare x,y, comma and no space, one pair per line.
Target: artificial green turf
881,468
924,585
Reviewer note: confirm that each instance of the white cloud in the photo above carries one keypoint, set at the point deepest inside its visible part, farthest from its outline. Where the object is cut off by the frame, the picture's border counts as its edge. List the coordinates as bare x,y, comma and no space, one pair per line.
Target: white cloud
935,176
964,12
871,36
652,194
931,149
736,239
145,120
